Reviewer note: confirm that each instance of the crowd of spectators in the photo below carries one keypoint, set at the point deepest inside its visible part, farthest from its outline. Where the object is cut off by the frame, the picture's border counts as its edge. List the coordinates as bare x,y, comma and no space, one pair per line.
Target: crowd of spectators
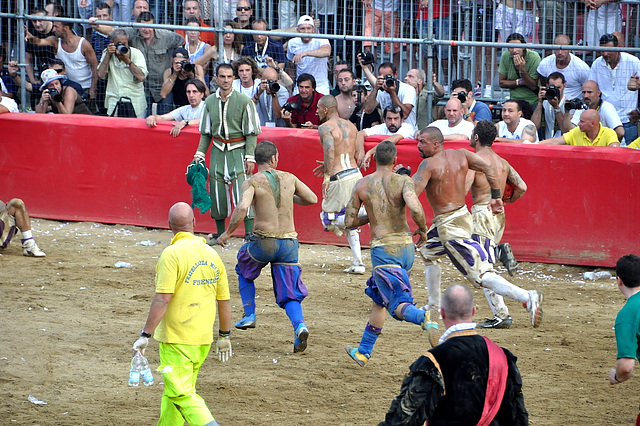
156,70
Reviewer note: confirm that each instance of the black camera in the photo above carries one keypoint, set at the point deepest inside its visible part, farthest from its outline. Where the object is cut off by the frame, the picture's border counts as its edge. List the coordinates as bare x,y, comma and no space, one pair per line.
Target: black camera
273,86
187,66
290,106
404,171
389,80
552,92
574,104
367,58
55,95
462,97
122,48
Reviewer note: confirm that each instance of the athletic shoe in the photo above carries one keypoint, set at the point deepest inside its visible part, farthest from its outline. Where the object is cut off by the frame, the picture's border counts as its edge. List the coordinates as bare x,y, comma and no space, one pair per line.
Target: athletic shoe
497,322
535,307
430,325
361,359
505,255
31,249
355,269
248,321
302,334
212,239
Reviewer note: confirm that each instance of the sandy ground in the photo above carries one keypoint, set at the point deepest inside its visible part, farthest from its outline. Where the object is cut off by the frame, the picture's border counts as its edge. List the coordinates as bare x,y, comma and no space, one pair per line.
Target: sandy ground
69,321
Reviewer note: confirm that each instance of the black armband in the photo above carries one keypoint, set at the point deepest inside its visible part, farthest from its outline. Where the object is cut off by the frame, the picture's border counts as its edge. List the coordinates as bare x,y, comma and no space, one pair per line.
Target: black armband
224,333
495,193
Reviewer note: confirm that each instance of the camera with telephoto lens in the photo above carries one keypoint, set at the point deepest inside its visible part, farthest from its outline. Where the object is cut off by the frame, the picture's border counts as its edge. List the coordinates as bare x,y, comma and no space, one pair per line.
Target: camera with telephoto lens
55,95
552,92
187,66
389,80
273,86
367,58
122,48
261,61
290,106
574,104
462,97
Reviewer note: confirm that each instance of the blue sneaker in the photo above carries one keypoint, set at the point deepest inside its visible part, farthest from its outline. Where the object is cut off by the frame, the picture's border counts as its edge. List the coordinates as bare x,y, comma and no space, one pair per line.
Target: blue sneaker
302,334
361,359
248,321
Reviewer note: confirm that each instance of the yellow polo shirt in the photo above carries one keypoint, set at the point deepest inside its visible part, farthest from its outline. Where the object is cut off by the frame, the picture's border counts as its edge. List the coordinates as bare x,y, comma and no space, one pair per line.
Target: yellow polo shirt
194,273
606,137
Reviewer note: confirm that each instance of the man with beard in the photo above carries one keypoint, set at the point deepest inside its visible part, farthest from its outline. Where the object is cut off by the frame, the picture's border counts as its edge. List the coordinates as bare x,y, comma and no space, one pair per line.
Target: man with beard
454,128
346,82
262,47
393,126
514,127
305,111
574,69
342,151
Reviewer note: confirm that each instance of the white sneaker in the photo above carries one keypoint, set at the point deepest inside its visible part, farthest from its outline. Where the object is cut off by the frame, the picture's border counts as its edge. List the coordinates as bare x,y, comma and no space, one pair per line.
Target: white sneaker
535,307
31,249
355,269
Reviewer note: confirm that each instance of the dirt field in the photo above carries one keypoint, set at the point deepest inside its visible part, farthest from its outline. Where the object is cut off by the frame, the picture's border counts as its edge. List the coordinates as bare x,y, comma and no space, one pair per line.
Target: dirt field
69,321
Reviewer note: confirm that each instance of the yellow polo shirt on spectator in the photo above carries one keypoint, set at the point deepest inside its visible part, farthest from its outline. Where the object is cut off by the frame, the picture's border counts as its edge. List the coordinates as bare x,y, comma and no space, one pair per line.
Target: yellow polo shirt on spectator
635,144
194,273
606,137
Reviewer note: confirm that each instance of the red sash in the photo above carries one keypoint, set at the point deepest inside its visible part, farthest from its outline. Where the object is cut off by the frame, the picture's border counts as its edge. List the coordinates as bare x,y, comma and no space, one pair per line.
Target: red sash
496,382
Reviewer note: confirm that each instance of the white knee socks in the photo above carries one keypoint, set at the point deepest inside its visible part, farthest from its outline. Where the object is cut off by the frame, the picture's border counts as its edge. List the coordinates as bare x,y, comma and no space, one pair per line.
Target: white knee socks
433,276
353,237
496,303
504,288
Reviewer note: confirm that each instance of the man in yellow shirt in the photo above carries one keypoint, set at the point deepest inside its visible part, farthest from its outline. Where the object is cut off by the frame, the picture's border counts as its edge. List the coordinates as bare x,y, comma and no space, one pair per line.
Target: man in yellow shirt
588,133
191,282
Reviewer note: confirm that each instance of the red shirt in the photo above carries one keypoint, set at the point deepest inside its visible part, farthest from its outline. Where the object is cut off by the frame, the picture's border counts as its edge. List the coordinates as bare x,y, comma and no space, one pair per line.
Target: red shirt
424,13
206,36
304,114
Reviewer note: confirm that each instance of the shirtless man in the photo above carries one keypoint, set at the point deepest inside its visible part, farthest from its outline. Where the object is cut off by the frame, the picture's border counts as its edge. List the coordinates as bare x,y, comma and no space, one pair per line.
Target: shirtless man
443,177
341,152
385,195
14,217
271,193
487,227
346,82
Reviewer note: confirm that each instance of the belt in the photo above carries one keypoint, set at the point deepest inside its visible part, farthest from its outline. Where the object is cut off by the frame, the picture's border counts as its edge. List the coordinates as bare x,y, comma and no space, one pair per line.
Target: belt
342,174
229,140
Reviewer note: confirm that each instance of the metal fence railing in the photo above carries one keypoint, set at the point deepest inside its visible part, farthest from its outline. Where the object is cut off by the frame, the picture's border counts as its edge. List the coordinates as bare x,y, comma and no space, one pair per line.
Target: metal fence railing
463,37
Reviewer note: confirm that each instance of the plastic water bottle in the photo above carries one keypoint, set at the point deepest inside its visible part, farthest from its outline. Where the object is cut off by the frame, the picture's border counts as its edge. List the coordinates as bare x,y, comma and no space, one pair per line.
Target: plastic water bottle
136,367
600,275
145,372
121,264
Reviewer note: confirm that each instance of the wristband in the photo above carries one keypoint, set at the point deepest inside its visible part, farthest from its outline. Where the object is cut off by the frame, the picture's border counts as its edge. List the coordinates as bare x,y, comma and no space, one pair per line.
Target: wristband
278,69
146,335
327,178
250,158
224,334
200,155
495,193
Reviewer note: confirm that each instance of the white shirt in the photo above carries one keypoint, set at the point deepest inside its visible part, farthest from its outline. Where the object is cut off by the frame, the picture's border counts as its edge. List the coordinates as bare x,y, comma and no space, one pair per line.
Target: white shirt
575,74
10,104
613,83
503,130
248,91
608,116
407,95
606,19
550,130
317,67
381,129
187,112
464,127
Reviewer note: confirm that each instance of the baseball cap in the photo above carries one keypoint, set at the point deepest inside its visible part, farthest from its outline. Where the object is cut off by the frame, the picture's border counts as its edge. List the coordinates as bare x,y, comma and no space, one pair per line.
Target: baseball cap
48,76
306,20
182,51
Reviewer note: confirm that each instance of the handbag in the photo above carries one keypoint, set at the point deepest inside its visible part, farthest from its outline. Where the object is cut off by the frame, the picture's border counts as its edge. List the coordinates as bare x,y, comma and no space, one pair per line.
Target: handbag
124,108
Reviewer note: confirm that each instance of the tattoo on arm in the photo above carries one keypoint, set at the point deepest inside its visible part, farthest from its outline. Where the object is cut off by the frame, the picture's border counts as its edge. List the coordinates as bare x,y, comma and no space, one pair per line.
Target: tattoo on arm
529,133
327,145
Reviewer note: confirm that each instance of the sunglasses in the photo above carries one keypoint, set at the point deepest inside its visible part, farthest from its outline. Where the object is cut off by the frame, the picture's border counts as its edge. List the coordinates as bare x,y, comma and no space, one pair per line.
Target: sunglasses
241,8
608,38
58,70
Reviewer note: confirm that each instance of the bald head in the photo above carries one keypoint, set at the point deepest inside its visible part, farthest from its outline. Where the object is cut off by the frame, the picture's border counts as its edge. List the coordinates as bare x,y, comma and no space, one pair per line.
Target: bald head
591,115
589,121
457,303
270,74
328,102
181,218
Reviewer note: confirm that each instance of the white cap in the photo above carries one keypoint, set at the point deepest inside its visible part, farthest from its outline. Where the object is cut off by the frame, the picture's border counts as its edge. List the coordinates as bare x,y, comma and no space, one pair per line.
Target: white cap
306,20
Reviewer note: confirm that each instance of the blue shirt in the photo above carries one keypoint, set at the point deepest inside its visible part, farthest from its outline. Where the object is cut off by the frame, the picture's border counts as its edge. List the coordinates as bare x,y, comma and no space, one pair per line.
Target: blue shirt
481,111
274,49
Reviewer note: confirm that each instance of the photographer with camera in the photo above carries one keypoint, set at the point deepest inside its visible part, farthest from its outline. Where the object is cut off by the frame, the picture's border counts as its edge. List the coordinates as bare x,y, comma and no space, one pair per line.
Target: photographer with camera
175,77
59,99
472,110
592,99
551,102
301,110
270,95
388,90
125,69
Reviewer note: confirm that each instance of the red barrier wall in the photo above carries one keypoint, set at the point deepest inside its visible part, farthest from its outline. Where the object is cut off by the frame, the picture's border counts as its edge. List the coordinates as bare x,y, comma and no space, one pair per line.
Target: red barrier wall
579,208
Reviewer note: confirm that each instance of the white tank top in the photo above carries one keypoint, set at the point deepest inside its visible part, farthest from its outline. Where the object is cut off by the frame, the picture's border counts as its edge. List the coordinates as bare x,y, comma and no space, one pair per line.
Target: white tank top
78,69
503,131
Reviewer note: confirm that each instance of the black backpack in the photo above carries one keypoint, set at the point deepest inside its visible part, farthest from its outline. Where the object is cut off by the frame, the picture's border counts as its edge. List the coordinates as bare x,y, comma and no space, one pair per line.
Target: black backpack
124,108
